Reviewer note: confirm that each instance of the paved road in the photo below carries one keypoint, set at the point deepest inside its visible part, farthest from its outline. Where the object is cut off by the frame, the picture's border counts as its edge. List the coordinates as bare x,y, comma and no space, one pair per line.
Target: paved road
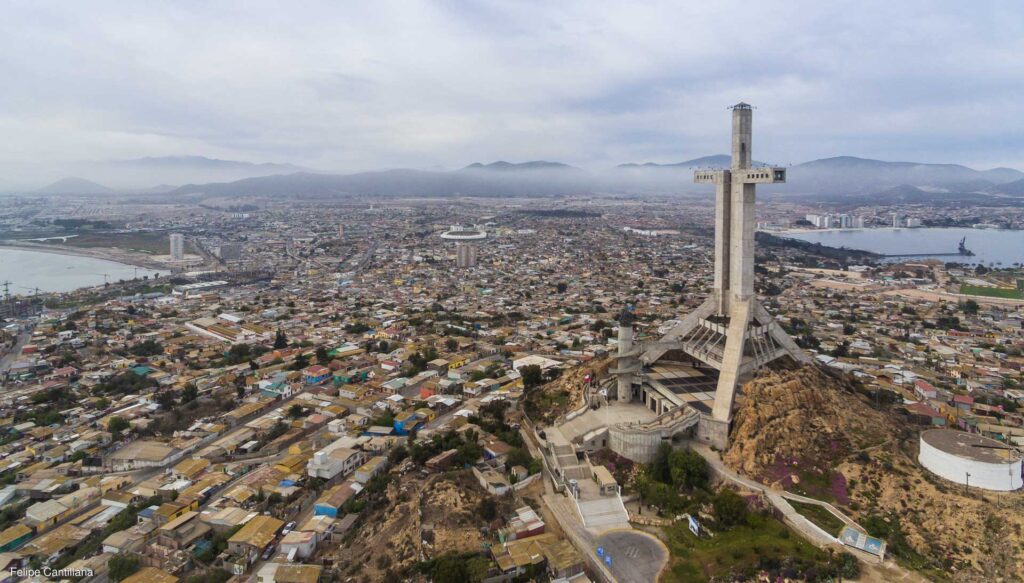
637,557
10,356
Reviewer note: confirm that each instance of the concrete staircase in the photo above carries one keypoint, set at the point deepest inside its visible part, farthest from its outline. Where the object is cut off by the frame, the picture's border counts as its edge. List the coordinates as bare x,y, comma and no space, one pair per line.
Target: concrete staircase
568,465
604,513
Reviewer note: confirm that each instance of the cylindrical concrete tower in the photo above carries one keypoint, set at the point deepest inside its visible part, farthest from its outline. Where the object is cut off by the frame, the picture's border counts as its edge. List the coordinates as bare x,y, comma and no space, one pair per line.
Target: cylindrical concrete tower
626,365
742,128
625,347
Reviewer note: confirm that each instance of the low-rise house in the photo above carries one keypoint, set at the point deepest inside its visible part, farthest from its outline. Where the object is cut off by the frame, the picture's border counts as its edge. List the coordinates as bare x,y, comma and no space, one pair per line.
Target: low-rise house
284,573
316,374
15,536
298,544
142,454
150,574
334,461
190,469
331,501
183,531
251,540
367,471
44,515
130,540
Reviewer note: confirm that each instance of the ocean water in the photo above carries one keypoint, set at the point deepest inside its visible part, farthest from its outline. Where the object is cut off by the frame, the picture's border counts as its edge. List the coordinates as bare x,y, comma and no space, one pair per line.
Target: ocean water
51,272
990,246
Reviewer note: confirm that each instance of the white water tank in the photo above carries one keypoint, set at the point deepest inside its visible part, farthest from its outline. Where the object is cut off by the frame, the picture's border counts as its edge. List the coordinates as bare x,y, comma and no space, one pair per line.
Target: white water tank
971,459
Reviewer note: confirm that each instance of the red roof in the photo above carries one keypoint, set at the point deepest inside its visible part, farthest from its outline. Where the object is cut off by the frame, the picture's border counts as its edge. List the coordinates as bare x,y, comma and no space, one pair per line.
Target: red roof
923,409
317,370
965,399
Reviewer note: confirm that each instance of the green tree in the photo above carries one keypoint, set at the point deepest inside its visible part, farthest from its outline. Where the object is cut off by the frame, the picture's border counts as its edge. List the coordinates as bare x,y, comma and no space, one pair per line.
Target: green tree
688,469
147,348
295,411
321,355
450,568
301,361
532,375
118,424
488,509
280,340
729,507
121,566
661,469
476,569
451,344
190,393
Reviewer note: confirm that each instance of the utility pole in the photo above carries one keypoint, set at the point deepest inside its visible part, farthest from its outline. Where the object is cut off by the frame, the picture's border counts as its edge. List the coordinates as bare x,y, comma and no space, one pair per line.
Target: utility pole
967,483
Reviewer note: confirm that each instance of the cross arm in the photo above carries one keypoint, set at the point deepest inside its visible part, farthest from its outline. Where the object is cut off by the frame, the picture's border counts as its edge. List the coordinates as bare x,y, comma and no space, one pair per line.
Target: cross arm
710,176
760,175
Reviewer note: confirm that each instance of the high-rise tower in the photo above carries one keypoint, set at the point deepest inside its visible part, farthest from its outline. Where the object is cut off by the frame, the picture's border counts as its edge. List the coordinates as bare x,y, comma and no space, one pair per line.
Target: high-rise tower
177,246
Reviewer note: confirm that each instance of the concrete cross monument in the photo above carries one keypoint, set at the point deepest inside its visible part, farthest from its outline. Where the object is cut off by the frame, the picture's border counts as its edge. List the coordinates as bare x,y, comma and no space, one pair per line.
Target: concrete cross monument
731,332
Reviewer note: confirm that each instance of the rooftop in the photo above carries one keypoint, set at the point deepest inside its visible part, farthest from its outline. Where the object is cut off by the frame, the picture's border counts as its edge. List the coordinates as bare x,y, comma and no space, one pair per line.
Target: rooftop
971,446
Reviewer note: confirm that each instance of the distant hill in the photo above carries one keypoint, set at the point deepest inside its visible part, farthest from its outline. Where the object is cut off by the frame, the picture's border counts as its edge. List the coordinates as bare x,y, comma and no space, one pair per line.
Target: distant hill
715,161
74,185
391,183
1015,188
851,175
158,189
502,166
140,174
196,162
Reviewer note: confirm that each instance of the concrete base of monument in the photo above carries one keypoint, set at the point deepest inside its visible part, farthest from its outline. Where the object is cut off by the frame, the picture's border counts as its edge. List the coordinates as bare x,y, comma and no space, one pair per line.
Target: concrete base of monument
713,432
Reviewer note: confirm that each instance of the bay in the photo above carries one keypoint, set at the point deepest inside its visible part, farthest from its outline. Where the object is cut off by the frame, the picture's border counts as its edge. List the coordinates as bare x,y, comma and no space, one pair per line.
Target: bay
52,272
995,247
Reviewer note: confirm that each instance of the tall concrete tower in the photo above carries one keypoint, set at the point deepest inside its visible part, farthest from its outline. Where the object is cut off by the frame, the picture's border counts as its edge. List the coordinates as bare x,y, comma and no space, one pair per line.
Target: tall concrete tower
731,332
177,246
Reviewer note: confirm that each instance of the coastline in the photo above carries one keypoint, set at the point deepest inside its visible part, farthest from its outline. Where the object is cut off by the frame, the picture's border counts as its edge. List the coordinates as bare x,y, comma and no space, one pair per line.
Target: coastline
102,253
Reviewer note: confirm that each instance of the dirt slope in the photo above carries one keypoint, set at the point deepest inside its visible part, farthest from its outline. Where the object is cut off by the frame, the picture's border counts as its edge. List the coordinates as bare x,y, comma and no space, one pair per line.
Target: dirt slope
812,432
424,518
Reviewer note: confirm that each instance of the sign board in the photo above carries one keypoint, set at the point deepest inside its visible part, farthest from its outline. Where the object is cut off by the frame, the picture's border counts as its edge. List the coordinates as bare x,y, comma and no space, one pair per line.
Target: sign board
852,537
608,560
600,551
694,526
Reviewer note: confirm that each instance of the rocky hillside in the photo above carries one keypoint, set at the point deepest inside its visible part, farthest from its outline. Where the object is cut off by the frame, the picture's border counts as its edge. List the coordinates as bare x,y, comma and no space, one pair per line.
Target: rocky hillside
547,402
422,518
802,422
813,432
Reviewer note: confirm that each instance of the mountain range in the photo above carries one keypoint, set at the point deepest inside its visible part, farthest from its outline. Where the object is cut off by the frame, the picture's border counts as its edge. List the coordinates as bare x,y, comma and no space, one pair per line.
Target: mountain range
140,174
839,178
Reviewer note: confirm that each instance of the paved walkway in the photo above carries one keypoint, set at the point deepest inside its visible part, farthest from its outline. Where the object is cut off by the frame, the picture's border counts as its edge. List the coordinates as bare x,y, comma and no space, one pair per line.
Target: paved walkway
875,570
778,498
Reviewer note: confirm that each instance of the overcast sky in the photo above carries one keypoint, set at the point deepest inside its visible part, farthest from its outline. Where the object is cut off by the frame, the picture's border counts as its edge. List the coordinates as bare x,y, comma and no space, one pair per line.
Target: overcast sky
363,85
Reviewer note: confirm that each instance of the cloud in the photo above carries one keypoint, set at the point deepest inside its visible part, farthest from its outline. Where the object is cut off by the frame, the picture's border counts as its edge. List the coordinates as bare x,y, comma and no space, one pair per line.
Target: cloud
350,86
